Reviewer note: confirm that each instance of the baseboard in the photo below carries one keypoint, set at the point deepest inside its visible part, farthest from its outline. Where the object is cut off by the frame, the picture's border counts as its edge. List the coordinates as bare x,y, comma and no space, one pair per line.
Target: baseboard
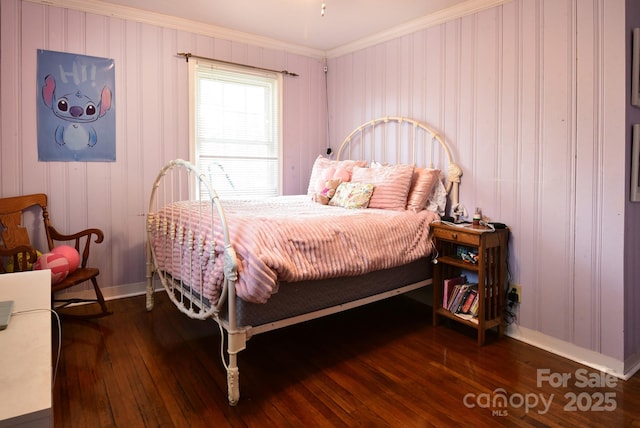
110,293
556,346
570,351
633,364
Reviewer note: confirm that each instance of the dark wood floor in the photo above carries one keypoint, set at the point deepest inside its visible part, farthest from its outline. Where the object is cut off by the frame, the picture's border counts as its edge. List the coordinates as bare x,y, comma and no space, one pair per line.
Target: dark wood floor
377,366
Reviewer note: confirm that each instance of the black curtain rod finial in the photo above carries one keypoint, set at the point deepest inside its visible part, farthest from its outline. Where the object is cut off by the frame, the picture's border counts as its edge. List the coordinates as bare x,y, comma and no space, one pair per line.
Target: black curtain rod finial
186,55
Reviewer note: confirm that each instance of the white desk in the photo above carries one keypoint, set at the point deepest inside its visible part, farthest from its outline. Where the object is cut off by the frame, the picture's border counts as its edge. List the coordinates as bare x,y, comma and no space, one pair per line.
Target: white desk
25,351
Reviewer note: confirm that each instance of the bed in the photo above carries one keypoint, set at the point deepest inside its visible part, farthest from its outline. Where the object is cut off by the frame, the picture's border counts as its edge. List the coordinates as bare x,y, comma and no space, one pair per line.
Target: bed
256,266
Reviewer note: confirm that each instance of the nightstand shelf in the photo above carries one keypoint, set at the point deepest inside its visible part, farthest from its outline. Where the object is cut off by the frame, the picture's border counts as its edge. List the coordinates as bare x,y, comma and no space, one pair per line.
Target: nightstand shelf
454,261
489,264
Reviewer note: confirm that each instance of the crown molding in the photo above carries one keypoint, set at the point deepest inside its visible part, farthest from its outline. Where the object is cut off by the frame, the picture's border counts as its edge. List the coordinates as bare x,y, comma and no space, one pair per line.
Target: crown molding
166,21
180,24
454,12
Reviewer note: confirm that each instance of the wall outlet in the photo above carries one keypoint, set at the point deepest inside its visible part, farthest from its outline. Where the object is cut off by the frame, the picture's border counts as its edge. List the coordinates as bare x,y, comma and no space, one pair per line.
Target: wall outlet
515,288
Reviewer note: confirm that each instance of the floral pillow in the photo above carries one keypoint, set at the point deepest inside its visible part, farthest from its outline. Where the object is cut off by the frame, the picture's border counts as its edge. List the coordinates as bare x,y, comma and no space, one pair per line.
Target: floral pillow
438,199
392,183
352,195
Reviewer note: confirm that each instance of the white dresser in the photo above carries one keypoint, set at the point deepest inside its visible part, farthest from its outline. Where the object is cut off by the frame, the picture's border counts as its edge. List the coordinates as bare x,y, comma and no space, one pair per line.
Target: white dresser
25,351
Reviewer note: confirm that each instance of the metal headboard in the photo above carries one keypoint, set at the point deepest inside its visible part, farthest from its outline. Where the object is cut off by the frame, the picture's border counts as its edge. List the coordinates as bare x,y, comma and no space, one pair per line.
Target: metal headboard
396,139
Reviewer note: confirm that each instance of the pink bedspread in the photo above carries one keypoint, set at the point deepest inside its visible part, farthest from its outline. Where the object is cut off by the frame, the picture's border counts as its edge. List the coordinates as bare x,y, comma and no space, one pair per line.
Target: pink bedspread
287,238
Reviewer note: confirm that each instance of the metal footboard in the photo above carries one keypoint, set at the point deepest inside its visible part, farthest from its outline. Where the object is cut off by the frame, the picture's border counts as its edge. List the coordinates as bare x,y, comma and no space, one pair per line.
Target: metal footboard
179,181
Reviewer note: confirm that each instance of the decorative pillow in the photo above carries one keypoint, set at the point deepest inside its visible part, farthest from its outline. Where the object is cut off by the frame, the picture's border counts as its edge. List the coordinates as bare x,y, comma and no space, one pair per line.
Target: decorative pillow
327,169
324,196
392,183
438,199
376,164
352,195
424,179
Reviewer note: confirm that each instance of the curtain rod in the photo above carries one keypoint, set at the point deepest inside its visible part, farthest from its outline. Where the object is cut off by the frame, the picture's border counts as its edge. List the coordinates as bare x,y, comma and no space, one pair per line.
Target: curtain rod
188,55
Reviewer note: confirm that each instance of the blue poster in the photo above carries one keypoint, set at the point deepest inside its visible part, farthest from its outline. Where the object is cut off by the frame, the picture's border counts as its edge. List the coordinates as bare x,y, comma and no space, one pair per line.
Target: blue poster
75,108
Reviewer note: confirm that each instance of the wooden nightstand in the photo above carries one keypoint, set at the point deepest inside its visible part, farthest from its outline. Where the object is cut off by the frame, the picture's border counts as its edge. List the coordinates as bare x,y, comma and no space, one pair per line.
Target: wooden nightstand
477,250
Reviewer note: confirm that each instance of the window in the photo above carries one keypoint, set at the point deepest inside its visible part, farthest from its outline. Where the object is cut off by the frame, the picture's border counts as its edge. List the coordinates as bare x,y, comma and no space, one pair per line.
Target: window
235,125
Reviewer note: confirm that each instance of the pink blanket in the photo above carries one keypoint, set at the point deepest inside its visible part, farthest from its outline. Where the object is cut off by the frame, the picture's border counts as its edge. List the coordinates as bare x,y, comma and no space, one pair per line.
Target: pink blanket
288,238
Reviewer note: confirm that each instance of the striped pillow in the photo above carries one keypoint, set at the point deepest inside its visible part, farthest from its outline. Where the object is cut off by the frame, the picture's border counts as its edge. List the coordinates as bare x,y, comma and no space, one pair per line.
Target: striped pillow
392,183
424,180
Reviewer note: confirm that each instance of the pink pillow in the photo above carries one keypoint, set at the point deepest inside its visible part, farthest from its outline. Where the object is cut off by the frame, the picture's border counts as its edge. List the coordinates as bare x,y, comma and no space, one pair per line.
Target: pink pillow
322,167
424,179
392,183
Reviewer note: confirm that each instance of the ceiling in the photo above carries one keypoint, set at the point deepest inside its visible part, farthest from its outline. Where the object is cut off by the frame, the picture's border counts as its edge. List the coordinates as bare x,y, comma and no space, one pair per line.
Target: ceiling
298,22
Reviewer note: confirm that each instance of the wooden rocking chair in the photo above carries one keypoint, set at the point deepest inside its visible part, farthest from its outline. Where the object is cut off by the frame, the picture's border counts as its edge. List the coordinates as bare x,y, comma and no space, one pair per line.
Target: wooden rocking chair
17,250
17,259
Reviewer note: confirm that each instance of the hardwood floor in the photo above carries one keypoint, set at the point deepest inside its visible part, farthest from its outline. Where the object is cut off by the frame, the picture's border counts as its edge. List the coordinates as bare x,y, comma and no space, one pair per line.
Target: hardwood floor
377,366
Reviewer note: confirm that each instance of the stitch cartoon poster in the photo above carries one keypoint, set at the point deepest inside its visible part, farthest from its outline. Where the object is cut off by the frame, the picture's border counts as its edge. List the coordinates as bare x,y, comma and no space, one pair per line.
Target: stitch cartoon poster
75,107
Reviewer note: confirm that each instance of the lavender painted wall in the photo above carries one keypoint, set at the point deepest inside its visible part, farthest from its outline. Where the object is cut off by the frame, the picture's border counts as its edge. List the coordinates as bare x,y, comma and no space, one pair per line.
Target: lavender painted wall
151,122
532,97
632,220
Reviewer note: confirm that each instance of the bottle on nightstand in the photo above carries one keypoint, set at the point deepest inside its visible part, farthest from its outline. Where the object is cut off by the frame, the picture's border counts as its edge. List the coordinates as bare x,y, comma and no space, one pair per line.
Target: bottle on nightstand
477,217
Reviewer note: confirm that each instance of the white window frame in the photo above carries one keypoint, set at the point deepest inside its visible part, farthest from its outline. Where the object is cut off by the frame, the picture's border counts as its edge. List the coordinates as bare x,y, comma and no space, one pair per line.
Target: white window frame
194,144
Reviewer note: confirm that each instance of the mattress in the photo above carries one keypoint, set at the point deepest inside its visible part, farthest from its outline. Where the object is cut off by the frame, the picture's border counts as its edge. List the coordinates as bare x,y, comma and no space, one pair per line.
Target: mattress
302,297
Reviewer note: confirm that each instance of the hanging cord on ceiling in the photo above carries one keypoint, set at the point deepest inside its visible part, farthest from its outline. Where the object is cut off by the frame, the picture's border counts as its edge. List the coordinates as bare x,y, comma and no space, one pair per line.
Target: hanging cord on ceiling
326,97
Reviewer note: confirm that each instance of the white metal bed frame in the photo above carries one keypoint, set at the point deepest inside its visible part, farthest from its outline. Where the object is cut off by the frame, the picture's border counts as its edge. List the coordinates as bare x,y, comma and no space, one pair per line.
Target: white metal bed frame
368,141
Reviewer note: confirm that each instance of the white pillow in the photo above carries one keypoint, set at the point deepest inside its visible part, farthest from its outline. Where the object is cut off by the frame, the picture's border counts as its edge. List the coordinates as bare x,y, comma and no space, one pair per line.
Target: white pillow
438,199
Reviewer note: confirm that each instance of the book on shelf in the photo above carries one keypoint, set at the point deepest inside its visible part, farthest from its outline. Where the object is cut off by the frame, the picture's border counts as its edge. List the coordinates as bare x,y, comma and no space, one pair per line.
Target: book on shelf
464,300
475,306
469,298
447,288
456,295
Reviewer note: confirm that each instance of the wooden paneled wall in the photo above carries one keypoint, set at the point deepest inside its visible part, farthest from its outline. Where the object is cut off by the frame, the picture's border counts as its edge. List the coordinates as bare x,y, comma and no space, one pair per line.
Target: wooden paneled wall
151,107
532,96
